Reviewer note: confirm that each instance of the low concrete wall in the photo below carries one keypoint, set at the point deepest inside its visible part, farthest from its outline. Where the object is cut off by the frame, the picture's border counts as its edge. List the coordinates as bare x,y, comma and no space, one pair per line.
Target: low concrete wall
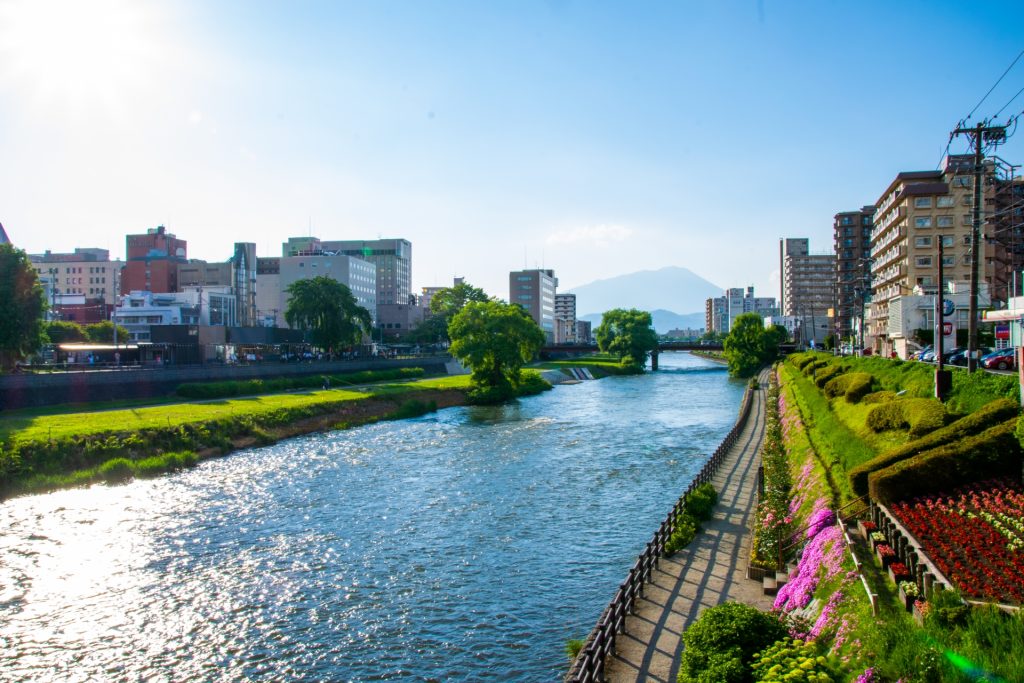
31,390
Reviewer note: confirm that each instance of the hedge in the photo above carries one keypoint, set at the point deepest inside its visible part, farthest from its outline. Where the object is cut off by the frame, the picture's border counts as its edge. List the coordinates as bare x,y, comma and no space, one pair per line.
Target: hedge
993,453
720,646
853,385
822,376
994,413
917,415
883,396
205,390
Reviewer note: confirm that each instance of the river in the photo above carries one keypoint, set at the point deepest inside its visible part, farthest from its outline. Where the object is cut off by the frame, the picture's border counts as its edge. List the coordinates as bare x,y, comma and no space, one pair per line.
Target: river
465,545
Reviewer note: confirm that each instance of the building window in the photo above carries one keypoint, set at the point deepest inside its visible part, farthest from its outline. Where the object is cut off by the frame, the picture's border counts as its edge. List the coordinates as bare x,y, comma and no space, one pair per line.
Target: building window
949,260
922,202
947,240
944,202
923,242
944,221
962,181
923,261
923,222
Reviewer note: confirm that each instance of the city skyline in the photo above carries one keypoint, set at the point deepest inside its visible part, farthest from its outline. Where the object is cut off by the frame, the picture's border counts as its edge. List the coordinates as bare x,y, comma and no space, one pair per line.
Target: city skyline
591,139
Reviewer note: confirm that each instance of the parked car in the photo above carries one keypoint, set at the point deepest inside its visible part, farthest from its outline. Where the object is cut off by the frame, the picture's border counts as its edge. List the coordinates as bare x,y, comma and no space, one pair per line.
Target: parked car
928,356
1003,359
960,358
947,354
921,354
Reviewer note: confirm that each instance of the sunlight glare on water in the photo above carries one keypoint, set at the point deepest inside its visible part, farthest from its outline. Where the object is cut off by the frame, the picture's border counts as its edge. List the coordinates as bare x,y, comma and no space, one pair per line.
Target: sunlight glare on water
464,545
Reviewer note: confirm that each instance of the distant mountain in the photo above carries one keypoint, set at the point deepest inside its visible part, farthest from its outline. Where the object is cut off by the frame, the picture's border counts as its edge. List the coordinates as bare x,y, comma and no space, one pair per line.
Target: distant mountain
668,289
663,320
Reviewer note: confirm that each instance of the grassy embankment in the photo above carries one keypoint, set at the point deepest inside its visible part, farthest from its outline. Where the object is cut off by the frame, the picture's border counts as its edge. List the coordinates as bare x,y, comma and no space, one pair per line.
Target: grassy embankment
826,438
44,450
599,364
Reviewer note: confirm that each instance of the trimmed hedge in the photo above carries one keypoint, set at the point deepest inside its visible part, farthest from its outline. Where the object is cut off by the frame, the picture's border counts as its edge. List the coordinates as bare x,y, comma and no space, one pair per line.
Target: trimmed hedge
822,376
993,453
720,646
853,385
994,413
918,416
206,390
883,396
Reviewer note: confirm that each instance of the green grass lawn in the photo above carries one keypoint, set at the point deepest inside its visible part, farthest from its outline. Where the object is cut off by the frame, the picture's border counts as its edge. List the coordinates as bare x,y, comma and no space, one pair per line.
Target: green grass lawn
46,424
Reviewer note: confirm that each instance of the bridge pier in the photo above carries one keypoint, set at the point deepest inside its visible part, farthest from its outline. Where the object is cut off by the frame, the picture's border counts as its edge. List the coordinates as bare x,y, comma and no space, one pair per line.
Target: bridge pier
654,359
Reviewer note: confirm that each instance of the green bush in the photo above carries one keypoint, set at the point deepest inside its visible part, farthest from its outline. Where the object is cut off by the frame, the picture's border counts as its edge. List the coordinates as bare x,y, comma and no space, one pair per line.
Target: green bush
817,364
116,470
883,396
992,453
701,501
822,376
917,415
853,385
573,648
795,660
720,646
971,391
685,531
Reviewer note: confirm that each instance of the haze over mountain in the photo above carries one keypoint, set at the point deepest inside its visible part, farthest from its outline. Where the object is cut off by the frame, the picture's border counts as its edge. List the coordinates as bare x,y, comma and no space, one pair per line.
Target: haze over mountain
671,290
662,320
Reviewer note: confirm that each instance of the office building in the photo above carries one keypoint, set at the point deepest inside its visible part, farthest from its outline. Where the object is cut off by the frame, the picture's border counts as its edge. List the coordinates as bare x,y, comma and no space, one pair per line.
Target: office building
534,290
851,242
808,288
393,261
152,260
565,311
81,286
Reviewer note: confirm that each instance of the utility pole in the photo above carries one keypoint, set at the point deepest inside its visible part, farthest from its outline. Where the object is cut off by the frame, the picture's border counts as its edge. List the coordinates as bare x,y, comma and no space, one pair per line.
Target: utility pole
979,134
943,379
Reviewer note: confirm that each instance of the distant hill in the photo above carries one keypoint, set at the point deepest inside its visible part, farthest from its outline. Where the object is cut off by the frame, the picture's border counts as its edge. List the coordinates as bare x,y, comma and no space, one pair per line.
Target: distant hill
663,320
662,292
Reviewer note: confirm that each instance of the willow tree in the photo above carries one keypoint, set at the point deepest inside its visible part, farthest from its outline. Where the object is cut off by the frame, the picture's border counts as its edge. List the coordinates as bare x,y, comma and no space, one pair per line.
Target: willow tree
495,339
328,310
627,334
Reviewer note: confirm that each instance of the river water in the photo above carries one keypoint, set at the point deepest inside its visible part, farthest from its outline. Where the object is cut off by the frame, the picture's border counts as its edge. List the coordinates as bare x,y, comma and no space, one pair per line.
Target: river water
465,545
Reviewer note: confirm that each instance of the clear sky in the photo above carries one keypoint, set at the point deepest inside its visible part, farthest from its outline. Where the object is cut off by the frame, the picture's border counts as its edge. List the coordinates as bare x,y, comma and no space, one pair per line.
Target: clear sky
595,138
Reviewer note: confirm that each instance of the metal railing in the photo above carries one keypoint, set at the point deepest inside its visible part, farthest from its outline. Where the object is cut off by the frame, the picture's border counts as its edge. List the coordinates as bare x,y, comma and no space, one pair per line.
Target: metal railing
589,664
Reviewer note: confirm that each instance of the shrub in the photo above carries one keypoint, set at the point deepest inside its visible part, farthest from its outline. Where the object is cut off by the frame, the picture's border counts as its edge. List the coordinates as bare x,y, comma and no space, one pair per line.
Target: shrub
814,366
918,415
883,396
573,648
853,385
531,383
685,531
795,660
208,390
822,376
116,470
701,501
720,646
990,454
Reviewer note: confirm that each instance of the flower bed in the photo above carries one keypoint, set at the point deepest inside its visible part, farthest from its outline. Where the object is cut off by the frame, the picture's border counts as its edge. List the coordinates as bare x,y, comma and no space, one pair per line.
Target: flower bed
975,536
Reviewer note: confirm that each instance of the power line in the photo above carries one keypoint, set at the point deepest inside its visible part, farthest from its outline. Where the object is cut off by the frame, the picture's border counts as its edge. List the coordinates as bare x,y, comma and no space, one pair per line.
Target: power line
1021,54
1008,103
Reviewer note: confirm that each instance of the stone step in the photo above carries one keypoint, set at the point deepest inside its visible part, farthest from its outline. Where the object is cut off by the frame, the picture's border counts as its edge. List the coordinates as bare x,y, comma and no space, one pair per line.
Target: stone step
769,585
781,579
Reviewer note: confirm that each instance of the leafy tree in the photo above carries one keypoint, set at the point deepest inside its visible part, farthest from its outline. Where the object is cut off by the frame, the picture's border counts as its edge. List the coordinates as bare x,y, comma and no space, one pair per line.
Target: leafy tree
22,305
328,310
749,345
629,335
64,332
444,305
103,333
720,646
495,339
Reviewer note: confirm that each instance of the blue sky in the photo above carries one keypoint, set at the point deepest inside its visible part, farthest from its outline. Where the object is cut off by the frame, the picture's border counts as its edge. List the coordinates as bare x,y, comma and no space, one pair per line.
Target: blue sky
595,138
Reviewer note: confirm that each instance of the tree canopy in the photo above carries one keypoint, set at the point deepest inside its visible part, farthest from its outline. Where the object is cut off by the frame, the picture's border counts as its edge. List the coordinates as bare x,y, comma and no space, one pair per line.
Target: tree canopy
22,306
329,311
627,334
750,345
495,339
444,305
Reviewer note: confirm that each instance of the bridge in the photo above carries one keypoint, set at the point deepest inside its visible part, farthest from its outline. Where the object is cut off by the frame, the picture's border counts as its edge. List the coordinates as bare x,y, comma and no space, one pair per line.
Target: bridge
579,349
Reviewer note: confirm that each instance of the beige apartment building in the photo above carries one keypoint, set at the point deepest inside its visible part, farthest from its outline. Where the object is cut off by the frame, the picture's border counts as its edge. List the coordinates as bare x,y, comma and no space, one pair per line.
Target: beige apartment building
86,272
917,209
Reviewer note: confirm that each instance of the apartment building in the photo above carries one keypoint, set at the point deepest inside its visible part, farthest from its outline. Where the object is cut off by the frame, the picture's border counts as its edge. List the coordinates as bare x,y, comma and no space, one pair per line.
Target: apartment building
915,212
808,288
81,286
851,241
565,311
152,261
534,290
716,316
739,301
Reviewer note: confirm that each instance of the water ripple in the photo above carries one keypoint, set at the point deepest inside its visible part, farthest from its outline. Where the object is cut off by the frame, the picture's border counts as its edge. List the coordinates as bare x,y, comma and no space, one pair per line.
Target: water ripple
463,545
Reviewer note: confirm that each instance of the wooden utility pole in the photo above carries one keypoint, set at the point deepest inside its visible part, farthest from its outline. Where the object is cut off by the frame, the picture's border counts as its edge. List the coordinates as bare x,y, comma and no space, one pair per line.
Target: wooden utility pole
979,135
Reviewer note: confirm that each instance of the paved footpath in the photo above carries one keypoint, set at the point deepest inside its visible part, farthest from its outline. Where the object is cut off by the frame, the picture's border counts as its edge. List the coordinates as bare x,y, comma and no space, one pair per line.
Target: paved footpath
710,571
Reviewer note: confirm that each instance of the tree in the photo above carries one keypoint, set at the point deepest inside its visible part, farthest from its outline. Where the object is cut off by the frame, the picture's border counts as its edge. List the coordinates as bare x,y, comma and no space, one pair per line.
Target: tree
444,305
495,339
64,332
22,306
627,334
103,333
749,345
329,311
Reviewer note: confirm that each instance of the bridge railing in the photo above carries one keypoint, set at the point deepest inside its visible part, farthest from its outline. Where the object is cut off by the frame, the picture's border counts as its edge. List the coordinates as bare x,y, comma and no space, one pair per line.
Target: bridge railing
589,664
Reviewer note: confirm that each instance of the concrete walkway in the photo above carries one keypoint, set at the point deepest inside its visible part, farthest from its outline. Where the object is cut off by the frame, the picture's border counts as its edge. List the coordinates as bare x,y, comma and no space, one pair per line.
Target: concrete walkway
708,572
